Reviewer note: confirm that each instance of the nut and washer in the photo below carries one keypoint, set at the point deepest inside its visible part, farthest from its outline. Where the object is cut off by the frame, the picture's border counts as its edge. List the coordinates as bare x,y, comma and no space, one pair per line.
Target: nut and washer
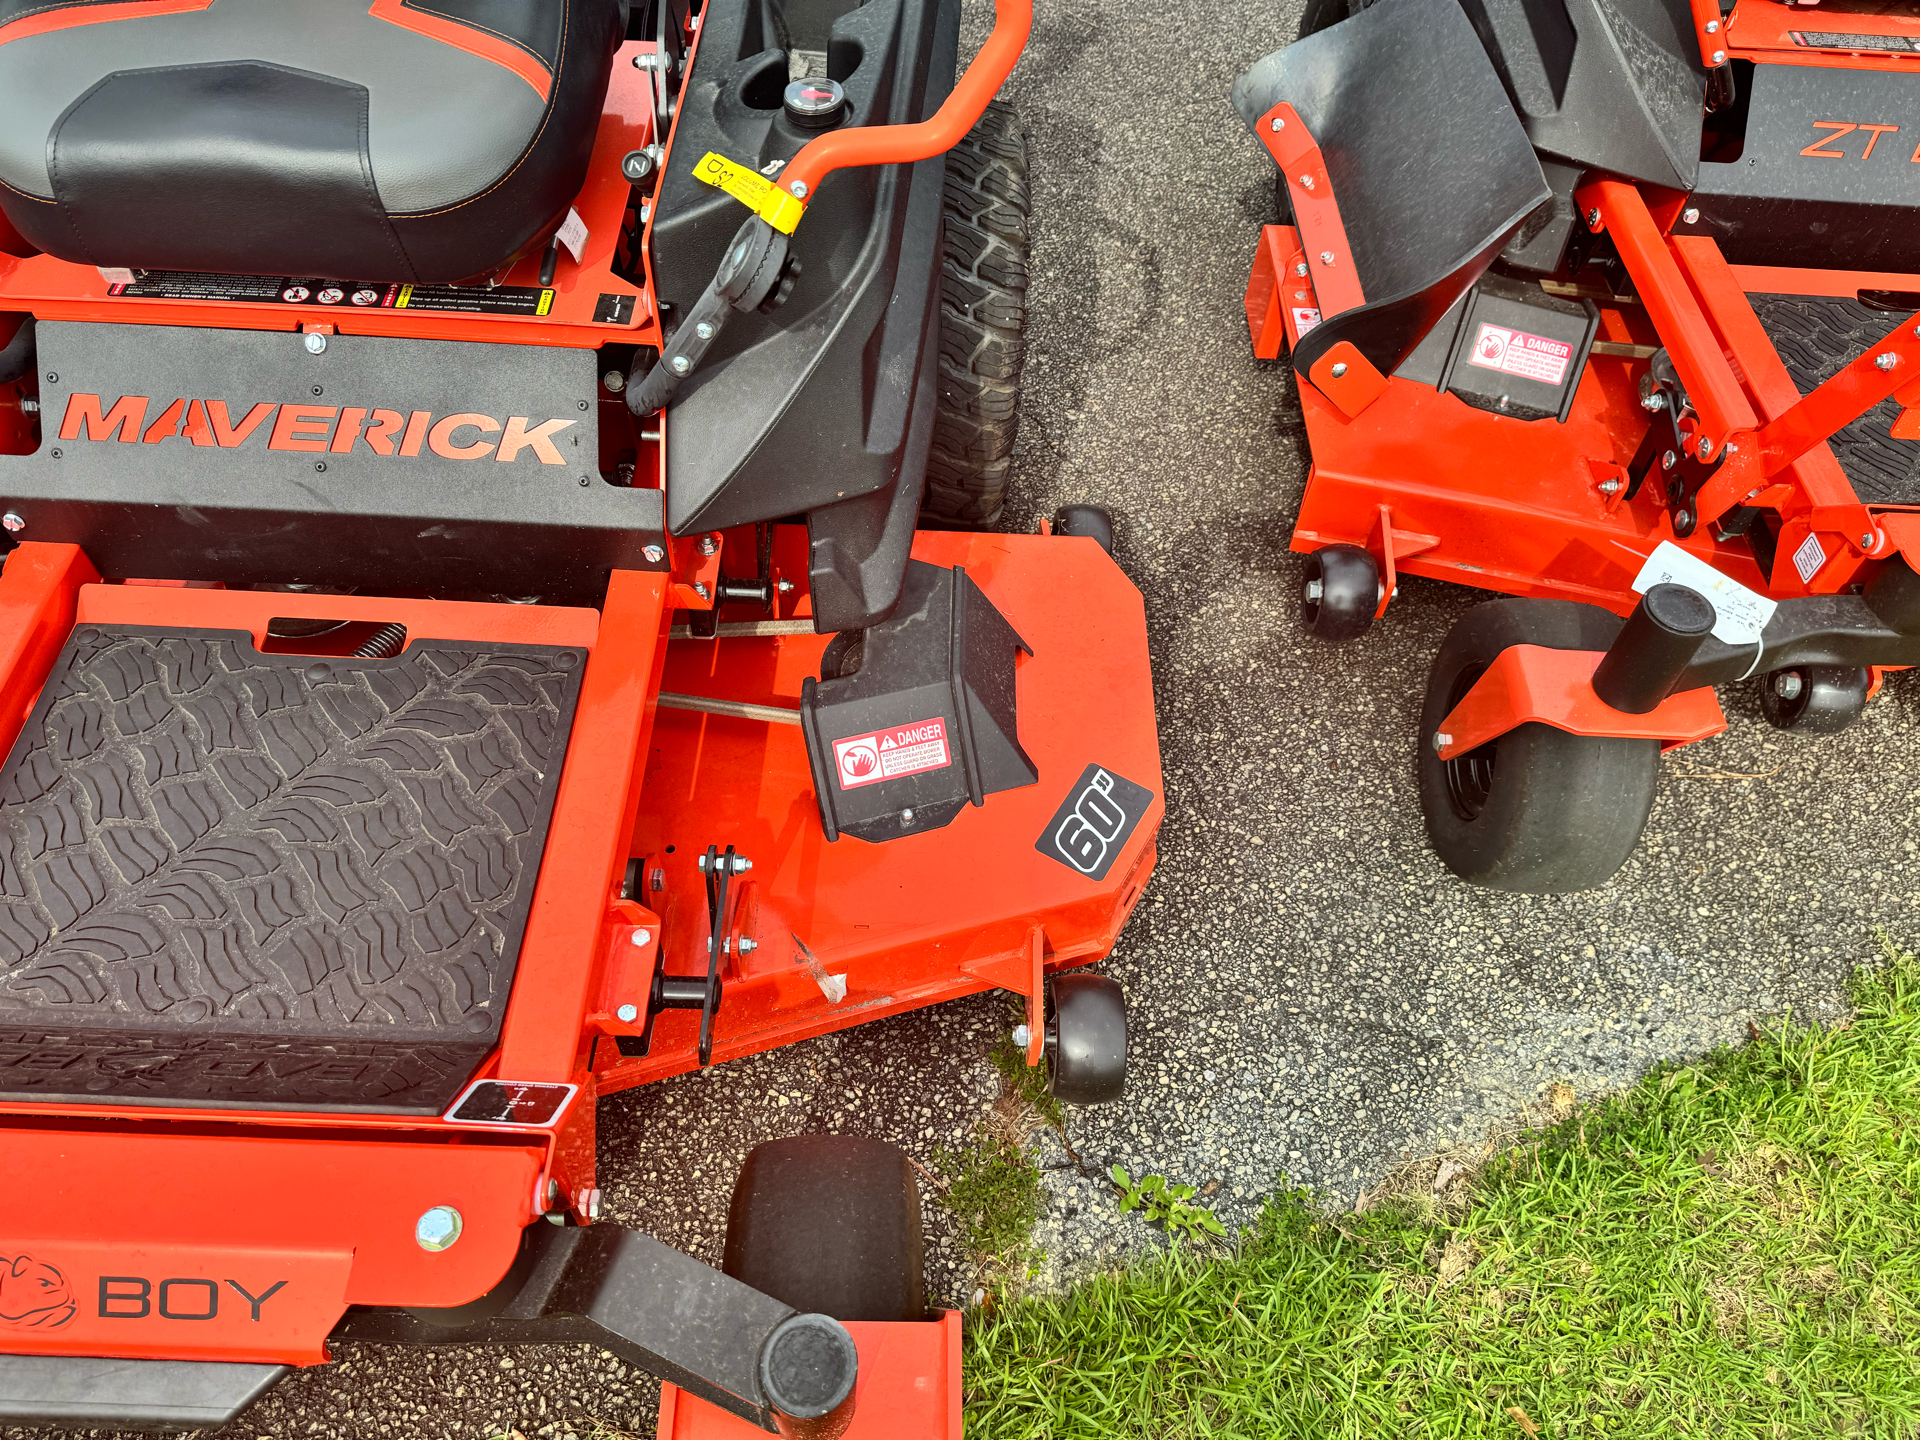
1787,684
437,1229
14,522
315,343
1653,402
655,555
700,589
746,945
1886,360
709,544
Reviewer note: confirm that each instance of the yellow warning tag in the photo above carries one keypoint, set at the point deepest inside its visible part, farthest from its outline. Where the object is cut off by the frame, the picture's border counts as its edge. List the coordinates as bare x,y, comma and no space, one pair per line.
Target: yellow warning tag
756,192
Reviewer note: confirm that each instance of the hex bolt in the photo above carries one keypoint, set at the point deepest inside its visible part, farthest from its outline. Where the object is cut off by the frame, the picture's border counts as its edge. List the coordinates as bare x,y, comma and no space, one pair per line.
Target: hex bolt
1691,215
641,936
1887,360
746,945
437,1229
1312,591
799,187
654,554
1442,740
1327,257
315,343
700,589
1787,684
1705,448
1277,124
742,865
1301,268
1021,1036
1307,182
1867,540
709,544
704,330
1609,486
681,364
1594,218
1654,401
14,521
614,381
628,1013
1340,369
1720,57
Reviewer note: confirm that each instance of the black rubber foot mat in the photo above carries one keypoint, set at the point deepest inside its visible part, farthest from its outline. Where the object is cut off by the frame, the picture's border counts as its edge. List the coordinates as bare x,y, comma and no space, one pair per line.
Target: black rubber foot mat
237,879
1817,335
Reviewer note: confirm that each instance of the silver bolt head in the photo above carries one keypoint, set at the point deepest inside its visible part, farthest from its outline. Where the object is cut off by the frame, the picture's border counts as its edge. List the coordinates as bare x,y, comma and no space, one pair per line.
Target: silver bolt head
1713,27
1307,182
315,343
1609,486
628,1013
681,364
655,555
1720,57
704,330
907,817
1301,269
1021,1036
641,936
784,586
1787,684
614,381
437,1229
1313,591
1669,460
1442,740
14,521
1653,402
1887,360
799,187
1705,448
1340,369
708,545
1691,215
1327,257
1277,124
1867,540
747,945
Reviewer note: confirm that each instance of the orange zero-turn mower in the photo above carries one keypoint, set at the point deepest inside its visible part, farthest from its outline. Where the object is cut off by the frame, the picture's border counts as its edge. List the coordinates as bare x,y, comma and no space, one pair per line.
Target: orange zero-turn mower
1609,305
466,649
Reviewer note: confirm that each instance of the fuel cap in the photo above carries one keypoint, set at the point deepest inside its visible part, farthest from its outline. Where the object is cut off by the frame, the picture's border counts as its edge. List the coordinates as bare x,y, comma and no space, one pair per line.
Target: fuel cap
814,104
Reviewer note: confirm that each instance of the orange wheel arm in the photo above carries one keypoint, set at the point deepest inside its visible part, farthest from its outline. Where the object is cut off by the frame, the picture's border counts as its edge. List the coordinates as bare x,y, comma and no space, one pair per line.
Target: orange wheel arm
897,144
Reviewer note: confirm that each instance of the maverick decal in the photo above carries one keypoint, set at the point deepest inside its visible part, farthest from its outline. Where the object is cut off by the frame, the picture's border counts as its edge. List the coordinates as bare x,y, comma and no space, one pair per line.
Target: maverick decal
33,1295
317,429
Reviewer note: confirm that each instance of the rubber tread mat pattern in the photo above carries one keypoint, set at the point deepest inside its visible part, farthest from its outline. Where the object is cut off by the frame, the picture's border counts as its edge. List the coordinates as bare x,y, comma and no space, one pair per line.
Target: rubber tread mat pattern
237,879
1817,335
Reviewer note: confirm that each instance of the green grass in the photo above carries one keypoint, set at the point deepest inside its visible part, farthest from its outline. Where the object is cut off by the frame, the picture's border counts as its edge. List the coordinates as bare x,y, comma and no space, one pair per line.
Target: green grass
1728,1249
991,1183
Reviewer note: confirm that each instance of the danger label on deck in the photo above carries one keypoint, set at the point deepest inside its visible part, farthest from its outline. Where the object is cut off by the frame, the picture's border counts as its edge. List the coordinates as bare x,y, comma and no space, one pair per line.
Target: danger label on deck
886,755
1515,352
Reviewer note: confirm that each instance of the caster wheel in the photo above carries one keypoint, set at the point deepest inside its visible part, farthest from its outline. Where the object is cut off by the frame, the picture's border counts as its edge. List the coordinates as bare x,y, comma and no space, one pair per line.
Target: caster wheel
831,1225
1087,1039
1537,810
1814,699
842,656
1088,520
1340,588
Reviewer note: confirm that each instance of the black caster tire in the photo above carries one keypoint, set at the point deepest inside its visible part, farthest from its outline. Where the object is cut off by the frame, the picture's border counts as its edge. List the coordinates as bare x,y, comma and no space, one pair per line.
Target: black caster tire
1538,810
1087,1040
1088,520
829,1224
1815,699
983,323
1320,14
1340,589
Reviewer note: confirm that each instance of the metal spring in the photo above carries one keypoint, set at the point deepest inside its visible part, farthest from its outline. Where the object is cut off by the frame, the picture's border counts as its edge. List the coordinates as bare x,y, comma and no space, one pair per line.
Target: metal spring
384,643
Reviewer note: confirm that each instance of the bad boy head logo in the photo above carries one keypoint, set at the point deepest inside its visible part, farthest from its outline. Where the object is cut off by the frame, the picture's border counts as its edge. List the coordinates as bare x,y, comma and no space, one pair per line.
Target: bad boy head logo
33,1294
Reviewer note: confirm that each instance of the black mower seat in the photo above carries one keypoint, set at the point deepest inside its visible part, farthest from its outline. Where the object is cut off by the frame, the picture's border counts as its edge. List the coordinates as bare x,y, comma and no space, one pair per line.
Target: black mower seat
1427,162
379,140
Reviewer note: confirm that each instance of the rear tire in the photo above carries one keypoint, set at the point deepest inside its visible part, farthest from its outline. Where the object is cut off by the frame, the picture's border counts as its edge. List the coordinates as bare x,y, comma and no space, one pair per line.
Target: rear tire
1538,810
983,323
829,1224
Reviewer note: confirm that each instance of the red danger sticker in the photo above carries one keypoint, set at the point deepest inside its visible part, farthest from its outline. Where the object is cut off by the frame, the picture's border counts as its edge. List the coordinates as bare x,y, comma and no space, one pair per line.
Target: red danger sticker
1515,352
885,755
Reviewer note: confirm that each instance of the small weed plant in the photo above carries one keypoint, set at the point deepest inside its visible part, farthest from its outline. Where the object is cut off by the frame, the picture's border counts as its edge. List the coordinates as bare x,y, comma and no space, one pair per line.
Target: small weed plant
1166,1205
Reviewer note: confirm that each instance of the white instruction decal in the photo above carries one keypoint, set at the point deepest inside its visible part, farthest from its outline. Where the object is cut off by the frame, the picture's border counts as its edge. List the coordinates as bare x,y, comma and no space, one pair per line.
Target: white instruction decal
573,235
899,751
1809,558
1740,615
1515,352
1305,320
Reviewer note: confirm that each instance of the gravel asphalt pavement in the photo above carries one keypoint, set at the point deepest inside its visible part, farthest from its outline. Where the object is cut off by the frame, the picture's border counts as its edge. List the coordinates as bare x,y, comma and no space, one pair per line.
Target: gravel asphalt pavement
1312,994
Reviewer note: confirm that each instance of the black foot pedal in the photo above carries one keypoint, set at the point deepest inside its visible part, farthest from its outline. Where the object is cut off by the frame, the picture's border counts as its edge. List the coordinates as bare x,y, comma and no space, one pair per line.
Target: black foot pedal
915,717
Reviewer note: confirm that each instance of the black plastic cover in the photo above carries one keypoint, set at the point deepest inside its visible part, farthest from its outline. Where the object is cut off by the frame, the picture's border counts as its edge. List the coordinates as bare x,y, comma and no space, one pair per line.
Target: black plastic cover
1519,351
237,879
121,1395
1430,168
824,407
928,721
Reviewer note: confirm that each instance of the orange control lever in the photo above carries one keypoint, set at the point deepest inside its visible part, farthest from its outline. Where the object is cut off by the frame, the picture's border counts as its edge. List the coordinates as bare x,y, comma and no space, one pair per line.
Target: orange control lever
897,144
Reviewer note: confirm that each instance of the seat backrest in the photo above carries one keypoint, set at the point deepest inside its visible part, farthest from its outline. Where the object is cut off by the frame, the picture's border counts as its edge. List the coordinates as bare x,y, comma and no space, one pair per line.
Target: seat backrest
1428,164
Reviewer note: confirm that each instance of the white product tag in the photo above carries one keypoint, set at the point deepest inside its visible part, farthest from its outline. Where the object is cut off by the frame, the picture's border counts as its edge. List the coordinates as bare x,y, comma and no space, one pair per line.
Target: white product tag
115,274
1740,615
573,235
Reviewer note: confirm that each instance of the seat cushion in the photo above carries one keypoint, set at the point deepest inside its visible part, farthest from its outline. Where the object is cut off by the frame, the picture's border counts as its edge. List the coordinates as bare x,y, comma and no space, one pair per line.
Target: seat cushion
378,140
